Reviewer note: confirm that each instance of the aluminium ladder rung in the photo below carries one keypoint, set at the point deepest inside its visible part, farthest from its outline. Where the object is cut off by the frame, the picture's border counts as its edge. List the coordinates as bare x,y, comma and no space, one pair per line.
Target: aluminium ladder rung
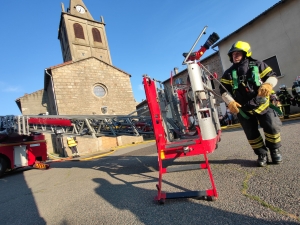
172,169
180,144
186,194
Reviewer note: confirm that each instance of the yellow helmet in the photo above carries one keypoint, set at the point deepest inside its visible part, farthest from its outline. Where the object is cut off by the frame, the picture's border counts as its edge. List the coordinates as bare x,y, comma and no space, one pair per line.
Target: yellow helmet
240,46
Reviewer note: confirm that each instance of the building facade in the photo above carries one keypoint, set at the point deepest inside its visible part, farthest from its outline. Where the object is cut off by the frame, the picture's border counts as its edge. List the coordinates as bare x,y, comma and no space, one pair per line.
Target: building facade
274,38
88,87
35,103
86,83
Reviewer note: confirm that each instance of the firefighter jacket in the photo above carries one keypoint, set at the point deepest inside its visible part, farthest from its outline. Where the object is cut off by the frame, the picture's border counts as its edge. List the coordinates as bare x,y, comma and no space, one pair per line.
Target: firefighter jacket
296,89
285,97
244,89
71,142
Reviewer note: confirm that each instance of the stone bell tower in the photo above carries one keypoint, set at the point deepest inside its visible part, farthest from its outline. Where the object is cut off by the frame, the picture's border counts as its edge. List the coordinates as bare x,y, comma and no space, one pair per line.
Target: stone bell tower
80,35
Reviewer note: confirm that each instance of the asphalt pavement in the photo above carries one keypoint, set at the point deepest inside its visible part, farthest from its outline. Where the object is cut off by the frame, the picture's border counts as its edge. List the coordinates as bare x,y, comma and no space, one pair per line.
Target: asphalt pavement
119,187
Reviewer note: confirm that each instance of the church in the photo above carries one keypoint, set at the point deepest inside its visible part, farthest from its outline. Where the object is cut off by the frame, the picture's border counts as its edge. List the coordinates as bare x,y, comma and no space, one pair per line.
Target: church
86,82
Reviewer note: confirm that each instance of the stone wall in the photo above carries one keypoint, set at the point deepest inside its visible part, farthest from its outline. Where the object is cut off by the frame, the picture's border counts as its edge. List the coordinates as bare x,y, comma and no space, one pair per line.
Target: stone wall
34,103
74,84
88,145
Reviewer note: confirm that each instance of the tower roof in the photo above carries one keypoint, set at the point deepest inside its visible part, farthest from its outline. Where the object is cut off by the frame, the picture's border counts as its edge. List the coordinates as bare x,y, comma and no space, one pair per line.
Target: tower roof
78,8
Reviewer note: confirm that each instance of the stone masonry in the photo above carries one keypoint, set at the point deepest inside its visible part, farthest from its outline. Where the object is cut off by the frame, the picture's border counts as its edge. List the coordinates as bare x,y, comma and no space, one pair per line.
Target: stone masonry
73,85
33,104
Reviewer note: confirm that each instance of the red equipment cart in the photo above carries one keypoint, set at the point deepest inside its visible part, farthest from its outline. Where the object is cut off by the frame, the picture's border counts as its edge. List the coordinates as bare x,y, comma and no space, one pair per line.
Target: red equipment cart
173,135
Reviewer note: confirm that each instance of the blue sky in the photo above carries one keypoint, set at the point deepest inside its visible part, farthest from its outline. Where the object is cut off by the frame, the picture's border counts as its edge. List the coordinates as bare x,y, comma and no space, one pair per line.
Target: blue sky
144,37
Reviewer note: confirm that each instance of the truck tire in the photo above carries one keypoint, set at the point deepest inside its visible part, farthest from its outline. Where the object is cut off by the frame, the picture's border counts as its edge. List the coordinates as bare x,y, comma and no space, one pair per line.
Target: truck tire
3,166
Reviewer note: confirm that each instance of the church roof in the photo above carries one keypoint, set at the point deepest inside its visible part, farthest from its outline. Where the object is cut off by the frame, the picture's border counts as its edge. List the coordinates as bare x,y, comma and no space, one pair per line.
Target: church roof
18,100
47,70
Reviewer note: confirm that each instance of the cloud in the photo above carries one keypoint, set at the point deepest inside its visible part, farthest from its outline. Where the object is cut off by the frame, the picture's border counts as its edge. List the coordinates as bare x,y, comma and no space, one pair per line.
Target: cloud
141,87
9,88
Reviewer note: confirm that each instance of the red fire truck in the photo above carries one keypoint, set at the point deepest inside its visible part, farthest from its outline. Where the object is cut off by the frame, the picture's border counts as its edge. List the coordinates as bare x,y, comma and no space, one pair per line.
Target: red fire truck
194,99
22,143
21,151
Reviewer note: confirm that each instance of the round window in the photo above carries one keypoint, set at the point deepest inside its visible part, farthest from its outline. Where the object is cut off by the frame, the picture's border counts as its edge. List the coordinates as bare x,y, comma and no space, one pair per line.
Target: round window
99,91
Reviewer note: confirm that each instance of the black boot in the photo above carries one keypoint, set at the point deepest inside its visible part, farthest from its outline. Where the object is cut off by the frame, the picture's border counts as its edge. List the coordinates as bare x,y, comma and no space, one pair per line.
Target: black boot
262,160
276,156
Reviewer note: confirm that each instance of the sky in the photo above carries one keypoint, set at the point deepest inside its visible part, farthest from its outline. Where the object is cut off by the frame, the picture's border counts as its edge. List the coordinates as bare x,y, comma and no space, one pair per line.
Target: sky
144,37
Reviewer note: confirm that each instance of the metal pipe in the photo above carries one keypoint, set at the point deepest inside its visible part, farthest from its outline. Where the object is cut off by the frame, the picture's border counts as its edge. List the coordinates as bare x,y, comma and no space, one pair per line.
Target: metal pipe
196,42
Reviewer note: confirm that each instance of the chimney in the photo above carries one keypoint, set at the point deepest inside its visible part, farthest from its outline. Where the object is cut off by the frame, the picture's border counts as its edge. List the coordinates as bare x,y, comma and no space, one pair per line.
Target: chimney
175,70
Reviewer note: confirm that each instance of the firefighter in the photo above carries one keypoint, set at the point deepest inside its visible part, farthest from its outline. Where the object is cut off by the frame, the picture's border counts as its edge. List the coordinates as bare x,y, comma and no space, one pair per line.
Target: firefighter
246,87
72,144
286,100
296,91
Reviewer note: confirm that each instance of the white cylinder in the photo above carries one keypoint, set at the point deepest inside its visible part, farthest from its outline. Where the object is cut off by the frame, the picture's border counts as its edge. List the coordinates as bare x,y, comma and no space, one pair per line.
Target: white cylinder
206,125
196,80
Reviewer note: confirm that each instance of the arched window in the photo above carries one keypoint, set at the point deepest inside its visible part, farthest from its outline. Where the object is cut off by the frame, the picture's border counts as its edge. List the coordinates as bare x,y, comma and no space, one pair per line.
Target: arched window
96,35
78,30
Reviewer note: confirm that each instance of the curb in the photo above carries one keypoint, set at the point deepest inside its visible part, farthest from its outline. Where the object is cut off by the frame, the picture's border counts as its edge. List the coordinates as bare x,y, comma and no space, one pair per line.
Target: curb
115,149
102,154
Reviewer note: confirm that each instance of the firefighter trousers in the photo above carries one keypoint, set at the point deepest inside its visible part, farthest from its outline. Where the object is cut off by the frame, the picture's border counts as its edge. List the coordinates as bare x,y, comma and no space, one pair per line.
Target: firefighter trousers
74,150
270,123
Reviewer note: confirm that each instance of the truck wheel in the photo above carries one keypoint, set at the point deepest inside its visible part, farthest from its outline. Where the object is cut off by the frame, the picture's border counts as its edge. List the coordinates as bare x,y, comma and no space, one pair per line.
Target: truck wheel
3,166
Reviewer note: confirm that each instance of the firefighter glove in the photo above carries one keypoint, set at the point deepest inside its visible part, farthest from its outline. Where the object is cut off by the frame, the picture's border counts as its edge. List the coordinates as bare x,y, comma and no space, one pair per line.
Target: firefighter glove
233,107
265,90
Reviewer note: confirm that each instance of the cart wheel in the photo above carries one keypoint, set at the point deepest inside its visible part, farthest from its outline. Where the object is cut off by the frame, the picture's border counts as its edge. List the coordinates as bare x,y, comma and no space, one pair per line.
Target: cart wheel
211,198
3,165
161,201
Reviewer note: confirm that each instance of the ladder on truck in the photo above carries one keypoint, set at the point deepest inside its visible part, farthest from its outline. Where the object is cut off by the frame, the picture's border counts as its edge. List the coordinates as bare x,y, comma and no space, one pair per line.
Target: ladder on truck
178,139
22,142
80,125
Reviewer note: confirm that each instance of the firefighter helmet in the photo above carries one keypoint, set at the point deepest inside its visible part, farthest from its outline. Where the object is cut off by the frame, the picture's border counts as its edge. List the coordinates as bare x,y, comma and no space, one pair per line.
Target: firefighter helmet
278,92
240,46
282,87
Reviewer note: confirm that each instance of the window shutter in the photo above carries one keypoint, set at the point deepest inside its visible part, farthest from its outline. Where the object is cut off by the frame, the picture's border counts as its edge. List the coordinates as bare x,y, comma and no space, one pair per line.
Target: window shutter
96,35
78,30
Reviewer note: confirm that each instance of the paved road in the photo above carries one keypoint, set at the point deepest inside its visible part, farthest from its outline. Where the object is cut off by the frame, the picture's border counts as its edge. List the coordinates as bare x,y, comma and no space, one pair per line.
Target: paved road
119,188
